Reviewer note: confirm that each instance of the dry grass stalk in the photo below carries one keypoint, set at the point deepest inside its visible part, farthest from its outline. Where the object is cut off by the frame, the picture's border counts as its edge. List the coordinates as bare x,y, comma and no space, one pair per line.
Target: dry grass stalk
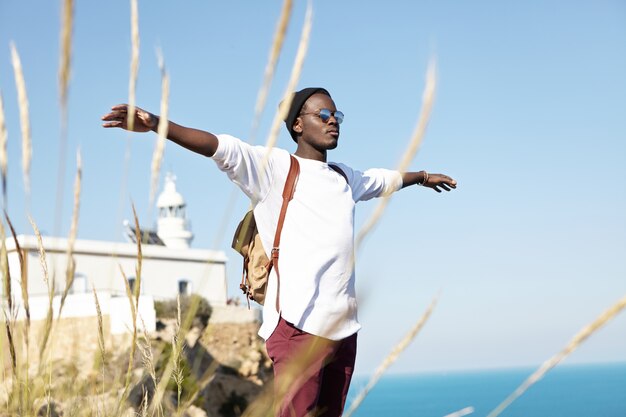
579,338
47,332
133,299
159,149
463,412
11,343
293,81
23,275
177,353
288,96
428,99
277,46
182,328
4,267
71,263
131,356
67,20
20,85
202,382
6,272
144,405
173,368
160,390
147,359
4,158
44,268
101,343
392,357
65,56
42,253
134,62
129,293
139,263
25,299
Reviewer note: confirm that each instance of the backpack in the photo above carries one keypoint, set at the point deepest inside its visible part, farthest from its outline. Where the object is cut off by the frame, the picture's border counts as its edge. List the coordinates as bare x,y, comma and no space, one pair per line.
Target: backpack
247,242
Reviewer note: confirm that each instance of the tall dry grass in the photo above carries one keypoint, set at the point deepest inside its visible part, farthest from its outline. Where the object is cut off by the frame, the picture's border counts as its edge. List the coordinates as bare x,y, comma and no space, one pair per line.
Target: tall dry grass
71,262
22,96
159,149
18,395
101,345
23,274
4,160
134,62
25,302
460,413
48,323
65,61
270,67
177,356
6,272
47,328
43,381
67,23
296,71
428,99
391,358
283,109
573,344
133,299
147,359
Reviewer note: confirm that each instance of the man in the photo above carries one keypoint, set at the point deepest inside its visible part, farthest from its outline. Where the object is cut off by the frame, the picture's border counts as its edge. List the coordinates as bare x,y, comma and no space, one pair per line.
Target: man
314,328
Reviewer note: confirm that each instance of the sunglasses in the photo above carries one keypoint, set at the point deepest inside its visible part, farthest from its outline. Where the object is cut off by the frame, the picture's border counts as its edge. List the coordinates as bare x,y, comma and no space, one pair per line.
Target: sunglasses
325,114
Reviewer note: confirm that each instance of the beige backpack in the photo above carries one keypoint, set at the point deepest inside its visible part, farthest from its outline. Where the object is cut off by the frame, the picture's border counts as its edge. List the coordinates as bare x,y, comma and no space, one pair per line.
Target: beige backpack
247,241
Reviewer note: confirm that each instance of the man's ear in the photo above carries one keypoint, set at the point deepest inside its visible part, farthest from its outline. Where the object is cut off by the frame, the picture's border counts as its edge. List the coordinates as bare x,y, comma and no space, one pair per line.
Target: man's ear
297,125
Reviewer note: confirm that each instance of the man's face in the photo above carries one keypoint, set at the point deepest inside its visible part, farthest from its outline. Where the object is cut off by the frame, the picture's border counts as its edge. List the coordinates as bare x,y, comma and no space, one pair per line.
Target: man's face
314,131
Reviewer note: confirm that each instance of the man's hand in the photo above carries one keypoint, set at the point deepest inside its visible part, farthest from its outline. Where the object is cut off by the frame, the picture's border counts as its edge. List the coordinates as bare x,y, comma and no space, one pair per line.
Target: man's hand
436,181
118,117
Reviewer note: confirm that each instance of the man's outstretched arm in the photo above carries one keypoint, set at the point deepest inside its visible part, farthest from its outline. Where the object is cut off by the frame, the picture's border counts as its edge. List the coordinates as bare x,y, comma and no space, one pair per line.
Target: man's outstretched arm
195,140
437,182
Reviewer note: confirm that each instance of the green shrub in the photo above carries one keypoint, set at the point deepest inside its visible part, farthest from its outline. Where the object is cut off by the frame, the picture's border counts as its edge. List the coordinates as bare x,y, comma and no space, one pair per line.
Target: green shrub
168,309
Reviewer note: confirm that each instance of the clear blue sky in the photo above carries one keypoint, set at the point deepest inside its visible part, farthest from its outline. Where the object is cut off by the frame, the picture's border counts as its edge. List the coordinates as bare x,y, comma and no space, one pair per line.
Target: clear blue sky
530,118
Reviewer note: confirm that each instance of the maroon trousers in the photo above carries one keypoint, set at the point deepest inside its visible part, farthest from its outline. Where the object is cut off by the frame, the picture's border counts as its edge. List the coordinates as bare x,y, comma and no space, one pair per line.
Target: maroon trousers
311,374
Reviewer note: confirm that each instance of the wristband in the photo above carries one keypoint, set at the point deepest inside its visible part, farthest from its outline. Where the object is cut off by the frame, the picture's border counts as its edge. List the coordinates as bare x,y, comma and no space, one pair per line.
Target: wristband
425,180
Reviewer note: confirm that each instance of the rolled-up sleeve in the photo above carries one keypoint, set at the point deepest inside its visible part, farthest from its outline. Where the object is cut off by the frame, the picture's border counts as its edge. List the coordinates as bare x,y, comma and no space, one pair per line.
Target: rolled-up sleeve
246,165
374,182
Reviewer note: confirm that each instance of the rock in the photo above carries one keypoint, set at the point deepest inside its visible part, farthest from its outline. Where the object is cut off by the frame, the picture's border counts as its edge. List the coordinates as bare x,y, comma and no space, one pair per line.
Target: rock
137,392
51,409
192,337
228,395
194,411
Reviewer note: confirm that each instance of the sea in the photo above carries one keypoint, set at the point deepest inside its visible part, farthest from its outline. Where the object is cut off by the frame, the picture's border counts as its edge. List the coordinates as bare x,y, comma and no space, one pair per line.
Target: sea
597,390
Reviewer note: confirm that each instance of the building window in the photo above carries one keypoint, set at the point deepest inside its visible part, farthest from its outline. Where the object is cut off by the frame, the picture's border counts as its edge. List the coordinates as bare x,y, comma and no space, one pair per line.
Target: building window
79,285
184,287
131,284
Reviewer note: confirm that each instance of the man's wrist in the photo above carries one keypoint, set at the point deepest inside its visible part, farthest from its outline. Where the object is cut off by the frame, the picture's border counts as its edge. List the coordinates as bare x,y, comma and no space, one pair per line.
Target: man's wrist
155,122
424,178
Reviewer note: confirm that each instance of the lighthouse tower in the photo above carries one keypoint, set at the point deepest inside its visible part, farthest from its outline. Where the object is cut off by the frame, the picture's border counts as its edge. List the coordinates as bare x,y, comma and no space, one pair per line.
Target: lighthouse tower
172,224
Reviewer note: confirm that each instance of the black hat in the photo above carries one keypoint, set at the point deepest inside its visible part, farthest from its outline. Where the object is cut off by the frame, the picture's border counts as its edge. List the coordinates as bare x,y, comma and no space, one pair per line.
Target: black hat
299,98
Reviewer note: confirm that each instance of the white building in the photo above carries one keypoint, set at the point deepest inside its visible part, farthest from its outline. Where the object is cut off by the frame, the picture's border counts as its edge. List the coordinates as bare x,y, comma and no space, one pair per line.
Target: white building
169,268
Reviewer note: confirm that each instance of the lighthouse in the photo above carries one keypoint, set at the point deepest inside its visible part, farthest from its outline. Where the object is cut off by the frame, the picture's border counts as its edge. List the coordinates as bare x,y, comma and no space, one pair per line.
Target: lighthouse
172,225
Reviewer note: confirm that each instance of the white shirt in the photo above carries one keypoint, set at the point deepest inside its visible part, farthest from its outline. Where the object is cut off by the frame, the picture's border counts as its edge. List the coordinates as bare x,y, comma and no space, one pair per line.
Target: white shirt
317,280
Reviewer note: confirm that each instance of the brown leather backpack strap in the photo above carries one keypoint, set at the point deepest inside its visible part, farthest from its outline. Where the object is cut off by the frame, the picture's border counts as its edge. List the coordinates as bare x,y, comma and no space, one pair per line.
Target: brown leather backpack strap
288,191
340,172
